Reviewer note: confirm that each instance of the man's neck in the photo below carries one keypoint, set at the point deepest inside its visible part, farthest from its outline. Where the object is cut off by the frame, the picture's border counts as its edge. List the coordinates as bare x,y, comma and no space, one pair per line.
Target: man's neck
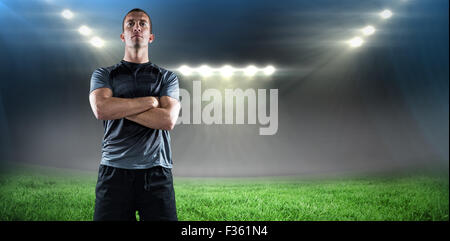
134,55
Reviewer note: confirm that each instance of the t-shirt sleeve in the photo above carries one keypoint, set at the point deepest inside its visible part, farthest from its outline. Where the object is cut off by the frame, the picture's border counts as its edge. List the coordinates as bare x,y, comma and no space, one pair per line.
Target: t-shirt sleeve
170,86
100,79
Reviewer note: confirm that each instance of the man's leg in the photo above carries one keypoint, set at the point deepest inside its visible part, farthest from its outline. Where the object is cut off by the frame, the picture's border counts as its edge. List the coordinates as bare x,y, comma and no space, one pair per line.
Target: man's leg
114,195
155,196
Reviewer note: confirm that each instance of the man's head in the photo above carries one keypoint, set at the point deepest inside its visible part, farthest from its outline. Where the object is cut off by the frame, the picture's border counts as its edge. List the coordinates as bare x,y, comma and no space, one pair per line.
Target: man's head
137,29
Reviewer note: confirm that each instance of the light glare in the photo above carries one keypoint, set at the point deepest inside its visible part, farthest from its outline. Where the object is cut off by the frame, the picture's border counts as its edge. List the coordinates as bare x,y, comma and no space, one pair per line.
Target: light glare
226,71
386,14
97,42
368,30
185,70
84,30
269,70
355,42
67,14
205,71
250,70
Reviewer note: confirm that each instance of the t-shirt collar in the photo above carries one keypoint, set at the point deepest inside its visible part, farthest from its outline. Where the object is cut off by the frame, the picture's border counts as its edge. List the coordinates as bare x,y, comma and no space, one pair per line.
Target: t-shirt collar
132,63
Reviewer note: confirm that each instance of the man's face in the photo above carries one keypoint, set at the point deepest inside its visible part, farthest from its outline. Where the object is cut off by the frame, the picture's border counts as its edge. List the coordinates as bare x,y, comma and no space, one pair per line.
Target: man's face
136,31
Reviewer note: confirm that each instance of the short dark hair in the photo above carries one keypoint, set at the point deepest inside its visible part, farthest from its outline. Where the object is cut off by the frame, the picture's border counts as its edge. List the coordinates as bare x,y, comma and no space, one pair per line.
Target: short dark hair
137,10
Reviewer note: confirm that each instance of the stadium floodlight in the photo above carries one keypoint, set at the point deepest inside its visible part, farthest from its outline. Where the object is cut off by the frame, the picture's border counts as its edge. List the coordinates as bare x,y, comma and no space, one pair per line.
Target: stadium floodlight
386,14
250,70
368,30
269,70
97,42
185,70
205,71
67,14
84,30
226,71
355,42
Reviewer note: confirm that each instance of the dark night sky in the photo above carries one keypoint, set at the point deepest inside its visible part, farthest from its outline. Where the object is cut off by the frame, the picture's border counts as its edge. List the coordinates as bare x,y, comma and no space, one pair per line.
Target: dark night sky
382,106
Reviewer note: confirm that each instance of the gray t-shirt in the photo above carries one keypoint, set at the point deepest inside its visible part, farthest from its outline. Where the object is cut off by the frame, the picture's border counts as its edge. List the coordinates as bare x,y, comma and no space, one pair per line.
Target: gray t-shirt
127,144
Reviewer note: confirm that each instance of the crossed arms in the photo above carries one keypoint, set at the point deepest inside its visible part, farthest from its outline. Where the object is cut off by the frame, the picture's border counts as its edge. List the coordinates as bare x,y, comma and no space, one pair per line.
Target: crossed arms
149,111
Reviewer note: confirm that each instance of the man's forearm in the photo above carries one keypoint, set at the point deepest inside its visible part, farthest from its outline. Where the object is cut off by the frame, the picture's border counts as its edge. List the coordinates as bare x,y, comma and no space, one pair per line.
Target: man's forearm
155,118
112,108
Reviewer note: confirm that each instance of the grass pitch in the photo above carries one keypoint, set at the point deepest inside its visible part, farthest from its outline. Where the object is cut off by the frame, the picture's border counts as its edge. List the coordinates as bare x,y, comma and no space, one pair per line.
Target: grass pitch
38,193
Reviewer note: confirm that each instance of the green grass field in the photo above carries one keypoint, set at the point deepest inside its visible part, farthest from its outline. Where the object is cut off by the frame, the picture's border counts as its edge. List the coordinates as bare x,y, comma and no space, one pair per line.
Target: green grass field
38,193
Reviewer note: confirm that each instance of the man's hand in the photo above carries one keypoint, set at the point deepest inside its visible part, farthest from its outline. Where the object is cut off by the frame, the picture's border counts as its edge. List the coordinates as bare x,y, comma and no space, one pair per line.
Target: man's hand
154,100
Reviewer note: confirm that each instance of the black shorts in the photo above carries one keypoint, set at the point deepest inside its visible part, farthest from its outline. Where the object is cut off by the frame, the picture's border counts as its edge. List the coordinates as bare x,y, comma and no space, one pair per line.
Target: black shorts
121,192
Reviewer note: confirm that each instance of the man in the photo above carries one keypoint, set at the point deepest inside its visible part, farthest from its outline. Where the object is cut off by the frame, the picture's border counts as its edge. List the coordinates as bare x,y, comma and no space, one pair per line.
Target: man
139,104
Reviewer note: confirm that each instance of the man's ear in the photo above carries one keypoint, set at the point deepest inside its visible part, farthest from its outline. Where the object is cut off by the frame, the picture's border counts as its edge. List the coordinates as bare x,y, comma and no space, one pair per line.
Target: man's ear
122,37
152,37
